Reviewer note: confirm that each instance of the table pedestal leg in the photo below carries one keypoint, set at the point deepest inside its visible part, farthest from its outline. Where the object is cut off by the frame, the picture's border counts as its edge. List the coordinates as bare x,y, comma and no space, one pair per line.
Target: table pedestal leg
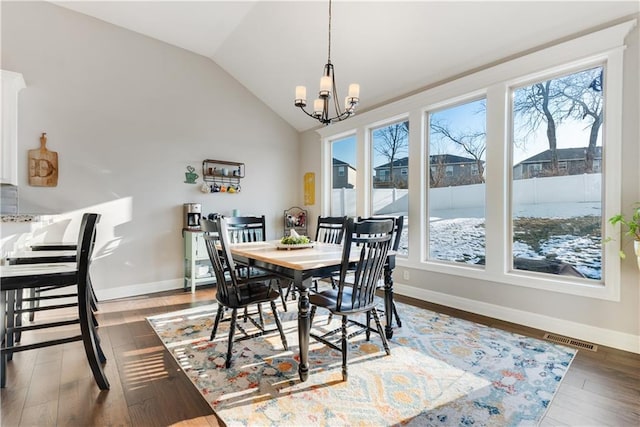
304,327
388,302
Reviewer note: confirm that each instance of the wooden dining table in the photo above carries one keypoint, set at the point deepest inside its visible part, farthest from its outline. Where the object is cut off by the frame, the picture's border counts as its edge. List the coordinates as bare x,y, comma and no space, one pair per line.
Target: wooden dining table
301,266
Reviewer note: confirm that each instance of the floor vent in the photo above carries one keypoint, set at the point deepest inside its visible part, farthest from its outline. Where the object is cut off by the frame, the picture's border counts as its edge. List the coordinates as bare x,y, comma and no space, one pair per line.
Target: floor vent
571,341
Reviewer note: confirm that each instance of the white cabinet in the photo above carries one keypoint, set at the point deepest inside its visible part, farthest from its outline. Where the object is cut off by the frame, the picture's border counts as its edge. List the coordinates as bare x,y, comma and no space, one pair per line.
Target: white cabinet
12,83
197,266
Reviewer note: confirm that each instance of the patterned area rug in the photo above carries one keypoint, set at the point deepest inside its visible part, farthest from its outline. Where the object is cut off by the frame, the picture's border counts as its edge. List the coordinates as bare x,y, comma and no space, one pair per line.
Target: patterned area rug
442,371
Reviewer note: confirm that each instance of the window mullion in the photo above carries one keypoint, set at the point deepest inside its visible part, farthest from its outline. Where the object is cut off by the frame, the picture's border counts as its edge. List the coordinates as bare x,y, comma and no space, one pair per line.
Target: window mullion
497,223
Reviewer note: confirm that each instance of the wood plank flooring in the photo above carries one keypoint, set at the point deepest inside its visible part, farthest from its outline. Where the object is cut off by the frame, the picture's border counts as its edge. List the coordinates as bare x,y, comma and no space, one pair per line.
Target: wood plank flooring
54,387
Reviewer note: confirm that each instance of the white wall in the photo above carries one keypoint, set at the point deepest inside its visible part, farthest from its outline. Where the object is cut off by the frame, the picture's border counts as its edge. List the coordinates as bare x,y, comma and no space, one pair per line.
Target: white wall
613,323
126,115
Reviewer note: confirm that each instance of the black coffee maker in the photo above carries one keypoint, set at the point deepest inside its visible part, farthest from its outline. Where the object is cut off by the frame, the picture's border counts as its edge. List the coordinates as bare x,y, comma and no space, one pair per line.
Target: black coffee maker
192,215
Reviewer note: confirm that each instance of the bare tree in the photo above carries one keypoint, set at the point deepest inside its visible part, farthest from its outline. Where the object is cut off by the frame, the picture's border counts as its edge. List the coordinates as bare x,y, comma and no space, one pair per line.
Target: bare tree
541,103
576,96
390,141
584,93
471,142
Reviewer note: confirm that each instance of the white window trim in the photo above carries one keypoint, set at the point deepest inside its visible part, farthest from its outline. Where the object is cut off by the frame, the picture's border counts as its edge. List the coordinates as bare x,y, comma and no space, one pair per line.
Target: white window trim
603,46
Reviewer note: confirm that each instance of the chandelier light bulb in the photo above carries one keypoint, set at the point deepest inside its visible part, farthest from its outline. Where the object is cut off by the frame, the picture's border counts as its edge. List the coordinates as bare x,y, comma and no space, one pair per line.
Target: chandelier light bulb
325,86
318,107
301,96
354,90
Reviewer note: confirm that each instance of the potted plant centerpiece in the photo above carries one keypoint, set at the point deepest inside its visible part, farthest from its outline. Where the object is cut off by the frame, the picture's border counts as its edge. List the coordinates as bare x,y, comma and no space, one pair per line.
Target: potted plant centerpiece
633,228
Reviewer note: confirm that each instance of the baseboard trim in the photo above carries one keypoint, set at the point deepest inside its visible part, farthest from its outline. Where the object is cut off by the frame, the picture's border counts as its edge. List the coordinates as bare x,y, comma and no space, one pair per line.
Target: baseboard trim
139,289
602,336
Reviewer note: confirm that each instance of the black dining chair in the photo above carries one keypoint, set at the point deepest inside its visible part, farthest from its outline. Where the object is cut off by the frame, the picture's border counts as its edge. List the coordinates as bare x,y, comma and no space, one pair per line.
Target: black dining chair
244,229
373,240
398,222
329,229
16,278
47,253
235,292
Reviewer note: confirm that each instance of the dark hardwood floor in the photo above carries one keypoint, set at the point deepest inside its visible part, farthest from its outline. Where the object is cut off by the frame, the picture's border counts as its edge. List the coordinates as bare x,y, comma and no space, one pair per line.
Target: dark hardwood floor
54,387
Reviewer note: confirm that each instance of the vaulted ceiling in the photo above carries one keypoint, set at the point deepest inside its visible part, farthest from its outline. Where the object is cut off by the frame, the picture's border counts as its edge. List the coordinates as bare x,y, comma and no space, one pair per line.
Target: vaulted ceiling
391,48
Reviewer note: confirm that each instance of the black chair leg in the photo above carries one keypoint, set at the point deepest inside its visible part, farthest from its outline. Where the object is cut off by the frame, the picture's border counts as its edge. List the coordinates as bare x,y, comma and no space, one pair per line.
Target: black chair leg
395,313
91,342
18,317
3,370
232,328
368,331
260,316
282,295
385,343
10,319
219,315
291,290
3,356
344,348
312,314
279,325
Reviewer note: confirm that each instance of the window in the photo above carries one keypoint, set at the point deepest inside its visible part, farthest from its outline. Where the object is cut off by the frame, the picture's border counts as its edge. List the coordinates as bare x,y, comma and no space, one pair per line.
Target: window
390,153
557,220
488,233
562,167
457,138
343,186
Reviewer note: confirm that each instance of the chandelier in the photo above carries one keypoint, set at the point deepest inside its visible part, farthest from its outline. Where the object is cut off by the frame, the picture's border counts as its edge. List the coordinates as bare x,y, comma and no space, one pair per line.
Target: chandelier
327,91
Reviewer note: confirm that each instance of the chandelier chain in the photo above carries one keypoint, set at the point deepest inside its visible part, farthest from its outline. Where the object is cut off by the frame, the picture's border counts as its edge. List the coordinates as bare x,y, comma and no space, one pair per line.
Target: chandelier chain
329,54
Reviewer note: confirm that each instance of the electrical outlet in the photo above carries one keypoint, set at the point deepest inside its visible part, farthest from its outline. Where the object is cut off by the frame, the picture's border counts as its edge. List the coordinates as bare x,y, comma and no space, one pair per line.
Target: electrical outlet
405,274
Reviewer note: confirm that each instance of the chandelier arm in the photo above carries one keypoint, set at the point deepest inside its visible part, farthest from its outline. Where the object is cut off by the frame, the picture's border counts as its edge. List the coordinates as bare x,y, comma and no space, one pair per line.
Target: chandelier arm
307,113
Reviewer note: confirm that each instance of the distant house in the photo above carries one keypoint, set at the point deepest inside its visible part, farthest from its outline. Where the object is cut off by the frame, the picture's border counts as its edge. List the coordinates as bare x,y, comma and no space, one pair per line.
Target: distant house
383,176
448,170
344,175
571,161
445,170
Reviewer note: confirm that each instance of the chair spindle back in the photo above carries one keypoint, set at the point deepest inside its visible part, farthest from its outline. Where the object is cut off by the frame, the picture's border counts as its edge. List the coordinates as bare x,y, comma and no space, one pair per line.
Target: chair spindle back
246,229
373,240
216,234
330,229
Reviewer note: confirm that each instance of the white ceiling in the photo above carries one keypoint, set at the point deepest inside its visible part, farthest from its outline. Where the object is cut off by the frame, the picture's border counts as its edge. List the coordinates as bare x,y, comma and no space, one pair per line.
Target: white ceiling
390,48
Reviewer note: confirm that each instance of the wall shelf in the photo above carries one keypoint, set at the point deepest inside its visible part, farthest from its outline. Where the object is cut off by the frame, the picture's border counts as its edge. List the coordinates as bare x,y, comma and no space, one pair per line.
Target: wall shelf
223,175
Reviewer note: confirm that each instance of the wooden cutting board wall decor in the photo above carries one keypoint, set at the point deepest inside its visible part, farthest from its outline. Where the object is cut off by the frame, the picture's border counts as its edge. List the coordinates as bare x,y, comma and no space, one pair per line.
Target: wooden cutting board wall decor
43,165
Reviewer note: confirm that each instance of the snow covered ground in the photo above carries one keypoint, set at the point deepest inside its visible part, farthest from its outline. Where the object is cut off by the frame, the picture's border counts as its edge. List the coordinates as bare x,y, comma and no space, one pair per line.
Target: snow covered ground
459,235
